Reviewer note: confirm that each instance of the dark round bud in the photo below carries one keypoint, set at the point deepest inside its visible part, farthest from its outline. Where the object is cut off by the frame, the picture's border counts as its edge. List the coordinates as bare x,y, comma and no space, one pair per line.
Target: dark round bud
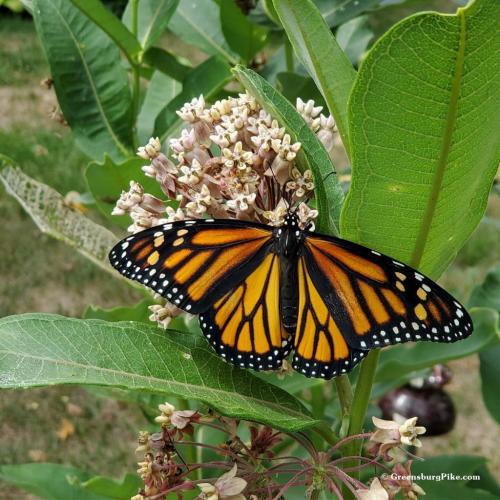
433,407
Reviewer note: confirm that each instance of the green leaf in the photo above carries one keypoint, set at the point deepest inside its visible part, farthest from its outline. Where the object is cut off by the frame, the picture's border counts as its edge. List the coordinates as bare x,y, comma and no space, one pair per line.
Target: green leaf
197,22
110,488
336,12
424,136
488,293
161,90
153,17
490,375
293,85
207,79
445,469
110,24
276,64
486,482
167,63
401,359
108,179
354,37
319,52
138,312
328,192
43,349
51,214
90,83
243,36
49,481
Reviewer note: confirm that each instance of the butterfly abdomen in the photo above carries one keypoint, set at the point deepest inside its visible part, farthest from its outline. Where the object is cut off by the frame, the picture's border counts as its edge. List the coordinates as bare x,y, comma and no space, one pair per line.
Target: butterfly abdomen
288,293
289,242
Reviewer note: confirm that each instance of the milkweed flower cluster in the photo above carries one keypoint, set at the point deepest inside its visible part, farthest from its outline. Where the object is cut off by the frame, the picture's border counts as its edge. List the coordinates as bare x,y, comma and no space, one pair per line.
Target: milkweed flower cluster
254,468
231,160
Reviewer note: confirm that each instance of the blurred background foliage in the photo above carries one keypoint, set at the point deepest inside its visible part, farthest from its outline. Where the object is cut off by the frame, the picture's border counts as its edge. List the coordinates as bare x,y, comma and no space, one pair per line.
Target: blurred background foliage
79,427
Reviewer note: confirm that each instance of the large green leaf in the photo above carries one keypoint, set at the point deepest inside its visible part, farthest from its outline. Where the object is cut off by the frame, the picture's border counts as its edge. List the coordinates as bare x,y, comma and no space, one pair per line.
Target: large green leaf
207,79
320,53
49,481
328,192
110,24
424,136
354,37
43,349
89,80
53,216
153,17
446,477
488,293
166,62
161,90
402,359
110,488
138,312
243,36
108,179
490,375
197,22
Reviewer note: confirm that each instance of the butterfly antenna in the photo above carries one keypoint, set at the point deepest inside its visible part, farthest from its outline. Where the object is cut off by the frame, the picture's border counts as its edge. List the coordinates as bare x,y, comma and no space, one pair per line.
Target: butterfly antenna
273,174
171,442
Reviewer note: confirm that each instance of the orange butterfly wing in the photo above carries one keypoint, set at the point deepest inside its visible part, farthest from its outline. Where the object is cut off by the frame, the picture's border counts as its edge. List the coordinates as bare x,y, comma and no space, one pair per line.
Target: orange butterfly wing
244,326
377,301
192,263
321,349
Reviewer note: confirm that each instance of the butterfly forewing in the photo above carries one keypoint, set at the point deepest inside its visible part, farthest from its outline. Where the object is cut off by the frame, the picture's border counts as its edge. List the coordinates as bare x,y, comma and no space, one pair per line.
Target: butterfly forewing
244,326
378,301
192,263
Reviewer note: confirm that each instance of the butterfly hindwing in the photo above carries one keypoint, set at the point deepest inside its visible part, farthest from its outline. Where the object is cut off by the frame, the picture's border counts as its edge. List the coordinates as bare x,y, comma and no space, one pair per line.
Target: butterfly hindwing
244,326
192,263
321,349
378,301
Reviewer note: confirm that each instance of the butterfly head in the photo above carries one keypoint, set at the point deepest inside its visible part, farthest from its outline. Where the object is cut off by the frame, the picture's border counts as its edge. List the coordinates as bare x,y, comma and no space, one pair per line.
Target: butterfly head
290,235
291,220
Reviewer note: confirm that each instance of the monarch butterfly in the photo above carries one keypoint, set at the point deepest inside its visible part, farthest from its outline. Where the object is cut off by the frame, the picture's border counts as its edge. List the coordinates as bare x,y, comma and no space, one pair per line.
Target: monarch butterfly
263,291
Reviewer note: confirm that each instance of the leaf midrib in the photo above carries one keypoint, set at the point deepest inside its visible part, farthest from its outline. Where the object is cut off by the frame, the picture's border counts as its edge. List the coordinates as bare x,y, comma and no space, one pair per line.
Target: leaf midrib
147,33
219,48
121,146
160,381
425,227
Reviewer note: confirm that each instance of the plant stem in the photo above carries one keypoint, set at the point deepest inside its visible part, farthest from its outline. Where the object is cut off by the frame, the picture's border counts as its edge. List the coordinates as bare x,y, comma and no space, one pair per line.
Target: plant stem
318,401
326,433
136,69
362,398
289,56
344,392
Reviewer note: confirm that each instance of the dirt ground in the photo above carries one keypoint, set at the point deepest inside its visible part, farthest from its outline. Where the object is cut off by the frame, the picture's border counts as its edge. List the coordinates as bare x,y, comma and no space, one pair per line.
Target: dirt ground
40,274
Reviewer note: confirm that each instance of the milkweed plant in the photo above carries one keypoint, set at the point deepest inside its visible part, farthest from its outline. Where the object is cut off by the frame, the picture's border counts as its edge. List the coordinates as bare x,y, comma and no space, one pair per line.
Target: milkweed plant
385,139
